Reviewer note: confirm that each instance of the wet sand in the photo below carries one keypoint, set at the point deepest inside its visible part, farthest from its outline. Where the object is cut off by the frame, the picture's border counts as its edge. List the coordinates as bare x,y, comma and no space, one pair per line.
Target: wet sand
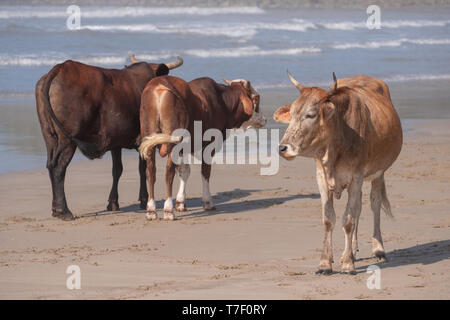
262,242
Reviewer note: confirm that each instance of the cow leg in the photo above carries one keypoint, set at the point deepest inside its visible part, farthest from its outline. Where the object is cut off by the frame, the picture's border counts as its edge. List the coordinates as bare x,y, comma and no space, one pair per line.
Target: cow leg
170,174
355,247
184,171
143,194
117,169
151,178
375,203
352,211
328,219
206,198
57,167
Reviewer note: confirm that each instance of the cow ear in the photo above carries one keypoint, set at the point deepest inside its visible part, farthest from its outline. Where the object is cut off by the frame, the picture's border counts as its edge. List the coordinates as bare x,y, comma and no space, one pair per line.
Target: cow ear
283,114
161,70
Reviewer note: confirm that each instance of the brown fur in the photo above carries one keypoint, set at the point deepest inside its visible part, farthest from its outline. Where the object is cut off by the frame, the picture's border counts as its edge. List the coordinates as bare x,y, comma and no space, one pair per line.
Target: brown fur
170,103
96,110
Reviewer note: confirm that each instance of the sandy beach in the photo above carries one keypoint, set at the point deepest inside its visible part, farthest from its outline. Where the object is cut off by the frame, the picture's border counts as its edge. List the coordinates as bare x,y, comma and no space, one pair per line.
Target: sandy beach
262,242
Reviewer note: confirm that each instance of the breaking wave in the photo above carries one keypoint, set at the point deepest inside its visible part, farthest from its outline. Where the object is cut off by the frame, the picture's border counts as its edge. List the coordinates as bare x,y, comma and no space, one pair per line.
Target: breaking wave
116,60
391,24
389,43
117,12
327,83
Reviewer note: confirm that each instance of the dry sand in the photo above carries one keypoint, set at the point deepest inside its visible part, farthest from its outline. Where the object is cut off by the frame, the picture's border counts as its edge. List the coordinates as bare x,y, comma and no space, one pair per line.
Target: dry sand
262,242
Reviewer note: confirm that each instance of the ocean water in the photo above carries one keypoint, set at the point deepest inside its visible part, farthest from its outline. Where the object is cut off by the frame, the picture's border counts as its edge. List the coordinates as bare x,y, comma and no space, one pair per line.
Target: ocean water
412,48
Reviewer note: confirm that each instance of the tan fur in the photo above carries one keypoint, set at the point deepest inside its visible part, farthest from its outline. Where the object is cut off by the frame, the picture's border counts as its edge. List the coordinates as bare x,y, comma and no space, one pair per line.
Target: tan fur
354,134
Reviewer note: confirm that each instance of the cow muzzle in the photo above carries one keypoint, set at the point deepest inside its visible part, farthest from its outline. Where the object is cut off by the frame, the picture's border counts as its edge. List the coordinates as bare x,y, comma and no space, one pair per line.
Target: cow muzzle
286,151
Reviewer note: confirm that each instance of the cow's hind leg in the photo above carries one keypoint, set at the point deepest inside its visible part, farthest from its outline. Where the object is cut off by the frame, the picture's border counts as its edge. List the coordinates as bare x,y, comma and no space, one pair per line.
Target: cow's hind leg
170,174
376,197
206,197
117,169
329,220
355,247
184,171
352,211
57,166
151,177
143,193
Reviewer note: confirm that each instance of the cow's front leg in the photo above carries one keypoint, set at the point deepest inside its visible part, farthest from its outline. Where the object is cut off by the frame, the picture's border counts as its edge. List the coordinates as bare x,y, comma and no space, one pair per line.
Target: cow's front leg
206,197
151,177
117,169
170,174
184,171
328,219
351,214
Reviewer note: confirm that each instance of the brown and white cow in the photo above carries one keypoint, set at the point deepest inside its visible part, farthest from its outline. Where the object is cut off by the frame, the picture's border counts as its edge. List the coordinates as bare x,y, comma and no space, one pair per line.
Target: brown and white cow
354,134
170,103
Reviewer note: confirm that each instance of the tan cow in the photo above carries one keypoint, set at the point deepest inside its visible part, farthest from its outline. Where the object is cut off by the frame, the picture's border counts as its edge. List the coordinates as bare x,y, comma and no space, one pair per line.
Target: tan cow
354,134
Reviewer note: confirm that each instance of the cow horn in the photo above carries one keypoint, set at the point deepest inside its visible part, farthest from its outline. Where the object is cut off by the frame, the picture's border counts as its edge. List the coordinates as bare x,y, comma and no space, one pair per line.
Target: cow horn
295,82
228,82
133,59
333,86
175,64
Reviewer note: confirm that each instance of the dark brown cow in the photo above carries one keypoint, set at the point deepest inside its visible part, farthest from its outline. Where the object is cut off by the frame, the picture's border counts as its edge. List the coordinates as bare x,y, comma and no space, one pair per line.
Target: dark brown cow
96,110
170,103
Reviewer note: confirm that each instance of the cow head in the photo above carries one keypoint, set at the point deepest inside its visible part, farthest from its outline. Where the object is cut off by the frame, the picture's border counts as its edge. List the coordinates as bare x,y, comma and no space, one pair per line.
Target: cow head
159,69
250,102
311,120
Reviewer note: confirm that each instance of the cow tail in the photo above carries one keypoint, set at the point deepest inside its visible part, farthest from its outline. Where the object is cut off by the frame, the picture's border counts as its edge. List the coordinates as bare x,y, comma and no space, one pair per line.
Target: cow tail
88,149
385,205
155,139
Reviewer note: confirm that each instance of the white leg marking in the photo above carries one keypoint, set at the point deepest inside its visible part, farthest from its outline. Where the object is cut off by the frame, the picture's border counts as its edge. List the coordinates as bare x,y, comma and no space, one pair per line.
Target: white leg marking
168,209
151,205
184,171
168,205
151,210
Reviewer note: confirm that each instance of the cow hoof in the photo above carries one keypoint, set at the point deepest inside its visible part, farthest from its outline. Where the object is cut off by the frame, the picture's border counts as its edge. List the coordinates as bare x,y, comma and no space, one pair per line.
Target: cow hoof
381,256
151,216
348,268
63,215
349,272
179,206
324,271
169,216
208,206
143,204
113,206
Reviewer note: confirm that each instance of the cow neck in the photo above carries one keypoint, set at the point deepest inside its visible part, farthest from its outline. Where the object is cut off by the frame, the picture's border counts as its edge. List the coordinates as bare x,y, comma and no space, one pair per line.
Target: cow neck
231,96
141,73
331,152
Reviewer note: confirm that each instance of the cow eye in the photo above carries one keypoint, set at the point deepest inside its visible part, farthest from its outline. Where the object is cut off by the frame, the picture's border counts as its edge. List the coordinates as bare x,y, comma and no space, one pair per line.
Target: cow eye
310,116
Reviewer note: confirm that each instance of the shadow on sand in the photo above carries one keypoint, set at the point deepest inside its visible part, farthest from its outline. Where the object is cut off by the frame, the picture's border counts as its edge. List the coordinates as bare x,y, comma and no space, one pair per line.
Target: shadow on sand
426,253
221,199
